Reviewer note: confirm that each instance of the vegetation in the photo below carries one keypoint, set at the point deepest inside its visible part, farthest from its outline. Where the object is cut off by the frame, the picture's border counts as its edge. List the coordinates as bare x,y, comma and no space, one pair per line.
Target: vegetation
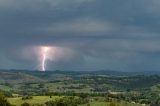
58,88
3,100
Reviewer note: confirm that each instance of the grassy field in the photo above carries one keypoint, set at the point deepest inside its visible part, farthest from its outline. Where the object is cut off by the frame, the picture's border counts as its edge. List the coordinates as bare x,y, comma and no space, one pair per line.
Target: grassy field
42,99
107,104
35,100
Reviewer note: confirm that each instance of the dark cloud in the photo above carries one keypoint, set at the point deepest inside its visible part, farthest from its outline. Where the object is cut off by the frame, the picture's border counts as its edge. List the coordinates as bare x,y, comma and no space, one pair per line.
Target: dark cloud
103,34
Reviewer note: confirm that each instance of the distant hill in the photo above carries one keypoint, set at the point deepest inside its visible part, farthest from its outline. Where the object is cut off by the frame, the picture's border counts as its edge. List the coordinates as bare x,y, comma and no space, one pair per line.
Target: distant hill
21,76
17,77
37,82
104,72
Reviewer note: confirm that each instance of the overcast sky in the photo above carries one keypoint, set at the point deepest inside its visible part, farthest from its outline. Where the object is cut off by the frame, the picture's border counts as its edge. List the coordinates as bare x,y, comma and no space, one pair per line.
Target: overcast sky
89,35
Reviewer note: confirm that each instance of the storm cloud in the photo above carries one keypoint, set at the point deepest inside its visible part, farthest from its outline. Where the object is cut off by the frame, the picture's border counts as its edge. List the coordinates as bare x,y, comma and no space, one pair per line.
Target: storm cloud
94,34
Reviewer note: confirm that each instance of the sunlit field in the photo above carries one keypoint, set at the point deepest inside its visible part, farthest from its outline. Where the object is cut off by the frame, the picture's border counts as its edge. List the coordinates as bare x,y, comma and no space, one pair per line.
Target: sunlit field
42,99
35,100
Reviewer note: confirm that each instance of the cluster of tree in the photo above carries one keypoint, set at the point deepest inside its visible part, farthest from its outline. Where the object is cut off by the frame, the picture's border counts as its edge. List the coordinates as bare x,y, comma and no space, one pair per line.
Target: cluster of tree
27,97
72,93
148,98
71,101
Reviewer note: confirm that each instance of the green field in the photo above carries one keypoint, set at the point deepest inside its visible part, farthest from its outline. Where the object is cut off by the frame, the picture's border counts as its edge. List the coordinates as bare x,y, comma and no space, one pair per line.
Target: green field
107,104
35,100
42,99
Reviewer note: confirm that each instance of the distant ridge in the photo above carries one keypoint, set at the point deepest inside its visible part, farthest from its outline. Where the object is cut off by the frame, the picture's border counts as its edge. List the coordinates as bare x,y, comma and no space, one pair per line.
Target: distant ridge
99,72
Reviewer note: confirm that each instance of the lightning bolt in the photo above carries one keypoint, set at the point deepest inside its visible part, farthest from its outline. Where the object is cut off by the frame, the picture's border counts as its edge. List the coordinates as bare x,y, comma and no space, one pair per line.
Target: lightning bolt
43,62
45,51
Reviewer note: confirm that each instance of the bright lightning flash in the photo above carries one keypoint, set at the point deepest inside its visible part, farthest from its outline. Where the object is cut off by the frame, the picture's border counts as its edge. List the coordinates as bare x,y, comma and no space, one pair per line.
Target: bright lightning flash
45,51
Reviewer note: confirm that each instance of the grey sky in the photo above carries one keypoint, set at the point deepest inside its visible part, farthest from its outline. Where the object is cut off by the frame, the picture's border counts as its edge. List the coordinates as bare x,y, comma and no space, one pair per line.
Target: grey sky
94,34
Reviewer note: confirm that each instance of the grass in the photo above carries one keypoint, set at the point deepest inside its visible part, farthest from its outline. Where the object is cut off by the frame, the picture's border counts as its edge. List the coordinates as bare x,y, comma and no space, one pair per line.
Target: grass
42,99
96,103
35,100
